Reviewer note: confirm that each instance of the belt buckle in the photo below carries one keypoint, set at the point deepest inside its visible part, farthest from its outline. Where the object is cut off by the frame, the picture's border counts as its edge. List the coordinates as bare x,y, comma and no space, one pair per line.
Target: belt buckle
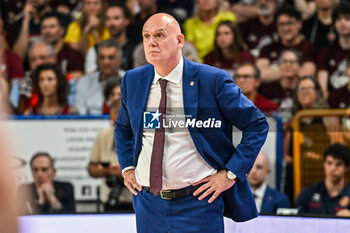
162,192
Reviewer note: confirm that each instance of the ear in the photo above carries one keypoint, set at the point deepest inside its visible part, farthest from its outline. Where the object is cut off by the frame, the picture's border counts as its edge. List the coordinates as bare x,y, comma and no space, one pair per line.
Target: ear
180,40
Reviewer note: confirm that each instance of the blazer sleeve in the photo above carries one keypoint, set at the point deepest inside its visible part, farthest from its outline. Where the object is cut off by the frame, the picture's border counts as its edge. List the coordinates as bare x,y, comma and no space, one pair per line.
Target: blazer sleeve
124,136
242,113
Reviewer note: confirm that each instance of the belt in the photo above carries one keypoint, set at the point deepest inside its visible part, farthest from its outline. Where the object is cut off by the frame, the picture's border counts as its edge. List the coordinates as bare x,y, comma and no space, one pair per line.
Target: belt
175,193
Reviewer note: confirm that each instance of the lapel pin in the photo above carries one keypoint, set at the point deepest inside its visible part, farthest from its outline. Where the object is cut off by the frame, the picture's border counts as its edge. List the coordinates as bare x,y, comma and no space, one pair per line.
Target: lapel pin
191,83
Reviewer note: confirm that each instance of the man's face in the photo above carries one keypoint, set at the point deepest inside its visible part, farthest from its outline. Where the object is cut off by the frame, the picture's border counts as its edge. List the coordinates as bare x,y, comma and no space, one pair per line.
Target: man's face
245,79
259,172
289,66
288,28
40,54
342,25
307,93
51,30
334,169
42,170
108,61
160,41
116,21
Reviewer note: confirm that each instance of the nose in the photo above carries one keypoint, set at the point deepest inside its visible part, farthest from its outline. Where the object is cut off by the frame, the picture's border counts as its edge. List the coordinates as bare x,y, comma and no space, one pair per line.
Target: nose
152,42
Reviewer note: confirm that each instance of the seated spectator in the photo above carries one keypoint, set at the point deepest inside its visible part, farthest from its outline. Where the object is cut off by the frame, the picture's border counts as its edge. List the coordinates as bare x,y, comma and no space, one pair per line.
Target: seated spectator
247,77
69,60
267,199
90,28
332,59
340,98
308,96
332,195
39,53
229,50
319,29
200,29
104,163
89,97
26,29
10,64
45,195
111,93
282,91
260,31
188,51
289,25
118,17
52,89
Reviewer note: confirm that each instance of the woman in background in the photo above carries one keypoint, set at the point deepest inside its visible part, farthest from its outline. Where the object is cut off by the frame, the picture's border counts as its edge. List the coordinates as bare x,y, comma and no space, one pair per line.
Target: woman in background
90,28
200,29
52,88
229,49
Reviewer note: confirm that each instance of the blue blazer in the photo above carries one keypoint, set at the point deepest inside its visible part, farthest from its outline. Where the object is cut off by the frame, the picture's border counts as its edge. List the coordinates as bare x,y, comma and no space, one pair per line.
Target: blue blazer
208,92
274,199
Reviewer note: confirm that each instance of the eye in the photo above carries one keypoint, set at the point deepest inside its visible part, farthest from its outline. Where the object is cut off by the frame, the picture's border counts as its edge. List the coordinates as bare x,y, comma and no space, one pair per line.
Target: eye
146,36
159,35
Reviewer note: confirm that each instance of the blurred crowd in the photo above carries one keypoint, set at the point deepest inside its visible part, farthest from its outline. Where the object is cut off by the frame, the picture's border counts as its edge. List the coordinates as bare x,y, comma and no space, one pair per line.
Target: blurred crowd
60,57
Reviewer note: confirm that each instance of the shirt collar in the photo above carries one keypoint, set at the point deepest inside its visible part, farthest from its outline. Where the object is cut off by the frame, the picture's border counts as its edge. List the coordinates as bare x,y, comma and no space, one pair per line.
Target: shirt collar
174,76
260,192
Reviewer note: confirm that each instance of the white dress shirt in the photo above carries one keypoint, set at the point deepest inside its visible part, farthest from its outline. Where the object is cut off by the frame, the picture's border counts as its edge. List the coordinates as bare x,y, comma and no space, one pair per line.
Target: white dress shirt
259,196
182,164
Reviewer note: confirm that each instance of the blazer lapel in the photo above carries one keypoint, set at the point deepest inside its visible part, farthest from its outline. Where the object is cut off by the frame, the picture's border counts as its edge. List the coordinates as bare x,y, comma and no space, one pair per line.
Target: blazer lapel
190,89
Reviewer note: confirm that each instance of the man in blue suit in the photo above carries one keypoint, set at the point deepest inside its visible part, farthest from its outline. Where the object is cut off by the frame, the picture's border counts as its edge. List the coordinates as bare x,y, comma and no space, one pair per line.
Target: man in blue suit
185,177
267,199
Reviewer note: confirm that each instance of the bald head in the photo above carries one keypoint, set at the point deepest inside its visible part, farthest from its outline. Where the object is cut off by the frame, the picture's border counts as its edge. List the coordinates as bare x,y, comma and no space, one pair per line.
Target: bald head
166,20
162,41
259,172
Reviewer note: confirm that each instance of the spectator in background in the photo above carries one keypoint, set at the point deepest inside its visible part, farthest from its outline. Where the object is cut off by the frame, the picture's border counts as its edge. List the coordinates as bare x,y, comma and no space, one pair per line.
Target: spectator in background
26,29
52,31
332,195
260,31
10,64
118,17
89,97
111,93
247,77
200,29
104,163
229,50
52,89
39,53
332,59
340,98
90,28
147,8
282,92
267,199
289,24
319,29
45,195
243,9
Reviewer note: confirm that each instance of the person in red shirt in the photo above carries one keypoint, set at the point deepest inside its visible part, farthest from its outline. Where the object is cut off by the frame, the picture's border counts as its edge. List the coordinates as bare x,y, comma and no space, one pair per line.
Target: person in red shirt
229,50
289,25
247,77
